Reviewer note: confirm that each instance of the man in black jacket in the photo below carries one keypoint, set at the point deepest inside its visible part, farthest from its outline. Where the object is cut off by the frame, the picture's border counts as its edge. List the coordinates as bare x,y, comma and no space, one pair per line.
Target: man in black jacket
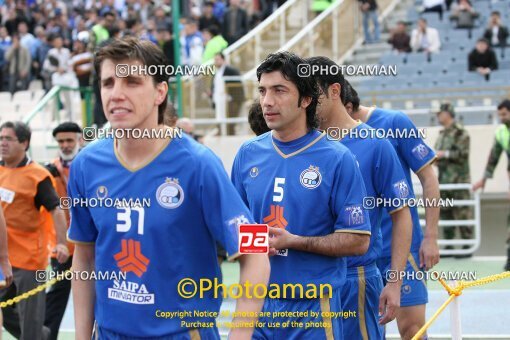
235,22
496,33
482,59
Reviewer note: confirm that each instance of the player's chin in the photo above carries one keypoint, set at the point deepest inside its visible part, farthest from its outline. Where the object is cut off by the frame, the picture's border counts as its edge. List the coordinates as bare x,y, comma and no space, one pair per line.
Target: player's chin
272,125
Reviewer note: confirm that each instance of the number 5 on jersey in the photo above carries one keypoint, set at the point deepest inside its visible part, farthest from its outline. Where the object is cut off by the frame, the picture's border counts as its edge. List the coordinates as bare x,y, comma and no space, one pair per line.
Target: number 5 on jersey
278,189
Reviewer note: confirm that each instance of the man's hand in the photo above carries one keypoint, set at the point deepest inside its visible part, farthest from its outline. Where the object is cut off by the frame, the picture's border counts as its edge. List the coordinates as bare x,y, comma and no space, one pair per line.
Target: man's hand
479,185
280,238
429,253
440,154
7,270
389,302
62,252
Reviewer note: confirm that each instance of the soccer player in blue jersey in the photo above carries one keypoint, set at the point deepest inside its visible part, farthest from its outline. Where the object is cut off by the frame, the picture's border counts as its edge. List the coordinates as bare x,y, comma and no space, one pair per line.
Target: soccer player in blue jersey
192,205
383,178
416,156
310,192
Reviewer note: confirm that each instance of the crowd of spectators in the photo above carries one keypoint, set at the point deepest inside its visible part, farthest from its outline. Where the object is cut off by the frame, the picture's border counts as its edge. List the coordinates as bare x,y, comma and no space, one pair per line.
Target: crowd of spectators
423,38
53,41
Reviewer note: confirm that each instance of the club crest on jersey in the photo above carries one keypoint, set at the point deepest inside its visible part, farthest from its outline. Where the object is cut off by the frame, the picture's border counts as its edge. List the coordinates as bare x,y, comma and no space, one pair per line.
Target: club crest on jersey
401,189
102,192
310,178
420,151
254,172
353,215
170,194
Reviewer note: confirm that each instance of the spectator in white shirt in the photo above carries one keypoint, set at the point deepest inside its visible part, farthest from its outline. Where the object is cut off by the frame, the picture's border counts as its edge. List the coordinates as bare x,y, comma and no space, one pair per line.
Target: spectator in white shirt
496,33
425,39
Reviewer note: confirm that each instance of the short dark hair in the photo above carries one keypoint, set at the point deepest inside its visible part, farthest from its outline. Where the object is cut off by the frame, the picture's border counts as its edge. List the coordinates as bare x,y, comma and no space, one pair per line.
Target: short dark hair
496,13
351,96
484,40
423,19
287,64
213,29
256,119
326,80
221,55
21,130
171,116
135,49
108,14
190,21
504,104
66,127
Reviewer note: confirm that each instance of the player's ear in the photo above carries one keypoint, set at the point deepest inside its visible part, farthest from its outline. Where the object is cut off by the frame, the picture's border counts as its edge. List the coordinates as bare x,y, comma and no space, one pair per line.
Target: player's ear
162,92
334,90
305,101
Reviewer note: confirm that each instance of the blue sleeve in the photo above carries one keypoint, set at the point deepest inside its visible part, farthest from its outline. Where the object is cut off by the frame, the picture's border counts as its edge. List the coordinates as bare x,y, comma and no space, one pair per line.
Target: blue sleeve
237,177
82,228
222,206
347,197
413,150
390,181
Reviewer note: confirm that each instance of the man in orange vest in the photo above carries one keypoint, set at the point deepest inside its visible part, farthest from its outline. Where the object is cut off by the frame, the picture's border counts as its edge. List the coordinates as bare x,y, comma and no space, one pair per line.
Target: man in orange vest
25,187
69,138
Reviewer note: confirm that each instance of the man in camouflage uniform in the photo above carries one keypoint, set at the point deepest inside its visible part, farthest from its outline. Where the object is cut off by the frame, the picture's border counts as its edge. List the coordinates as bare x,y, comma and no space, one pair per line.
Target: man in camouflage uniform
501,143
452,149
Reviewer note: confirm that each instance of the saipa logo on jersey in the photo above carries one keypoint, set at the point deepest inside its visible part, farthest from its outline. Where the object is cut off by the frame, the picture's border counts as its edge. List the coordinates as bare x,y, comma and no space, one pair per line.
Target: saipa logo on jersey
401,189
420,151
310,178
275,219
131,259
353,215
170,194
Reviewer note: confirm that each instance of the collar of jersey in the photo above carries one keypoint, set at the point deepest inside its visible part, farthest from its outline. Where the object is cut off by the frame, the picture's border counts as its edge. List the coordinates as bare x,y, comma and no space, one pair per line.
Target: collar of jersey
127,167
297,141
370,111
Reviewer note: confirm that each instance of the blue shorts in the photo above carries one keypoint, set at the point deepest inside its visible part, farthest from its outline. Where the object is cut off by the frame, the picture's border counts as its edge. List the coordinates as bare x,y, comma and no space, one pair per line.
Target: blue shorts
360,297
413,291
312,327
199,333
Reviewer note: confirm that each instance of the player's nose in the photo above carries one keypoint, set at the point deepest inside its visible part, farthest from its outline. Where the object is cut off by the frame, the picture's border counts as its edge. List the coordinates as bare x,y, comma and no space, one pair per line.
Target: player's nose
268,100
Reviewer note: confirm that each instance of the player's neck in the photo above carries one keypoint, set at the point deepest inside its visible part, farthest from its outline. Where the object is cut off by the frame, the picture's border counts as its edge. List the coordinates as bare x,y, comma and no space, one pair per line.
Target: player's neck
290,133
341,119
364,113
136,152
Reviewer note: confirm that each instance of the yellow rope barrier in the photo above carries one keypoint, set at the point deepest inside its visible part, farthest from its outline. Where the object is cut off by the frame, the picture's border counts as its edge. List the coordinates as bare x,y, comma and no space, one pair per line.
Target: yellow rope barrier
34,291
456,291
